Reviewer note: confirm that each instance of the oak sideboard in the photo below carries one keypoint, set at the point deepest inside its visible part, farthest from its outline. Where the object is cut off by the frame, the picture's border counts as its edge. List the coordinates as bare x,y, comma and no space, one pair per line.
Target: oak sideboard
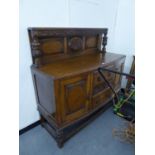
70,92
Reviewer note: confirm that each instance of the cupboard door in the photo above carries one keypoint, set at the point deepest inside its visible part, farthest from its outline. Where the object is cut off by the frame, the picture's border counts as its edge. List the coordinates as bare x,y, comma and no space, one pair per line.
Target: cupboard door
75,97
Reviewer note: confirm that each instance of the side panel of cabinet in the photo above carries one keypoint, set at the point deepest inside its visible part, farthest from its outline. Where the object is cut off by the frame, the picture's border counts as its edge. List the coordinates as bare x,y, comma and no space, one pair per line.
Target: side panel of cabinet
45,95
118,78
75,97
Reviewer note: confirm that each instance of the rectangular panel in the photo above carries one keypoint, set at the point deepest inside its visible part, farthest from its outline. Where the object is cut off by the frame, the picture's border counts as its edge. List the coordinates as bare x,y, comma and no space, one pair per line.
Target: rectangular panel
91,42
74,99
76,96
52,45
45,92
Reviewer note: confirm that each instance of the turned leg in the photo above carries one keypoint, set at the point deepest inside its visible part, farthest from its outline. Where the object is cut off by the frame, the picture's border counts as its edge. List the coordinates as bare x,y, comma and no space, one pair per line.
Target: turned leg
60,144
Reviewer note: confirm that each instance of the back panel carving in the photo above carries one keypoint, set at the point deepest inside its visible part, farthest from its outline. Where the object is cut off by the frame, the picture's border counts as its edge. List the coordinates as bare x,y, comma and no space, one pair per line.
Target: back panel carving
51,44
91,42
75,44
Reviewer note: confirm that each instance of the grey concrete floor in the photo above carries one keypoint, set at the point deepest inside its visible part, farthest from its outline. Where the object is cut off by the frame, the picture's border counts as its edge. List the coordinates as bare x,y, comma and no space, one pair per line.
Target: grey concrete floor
95,139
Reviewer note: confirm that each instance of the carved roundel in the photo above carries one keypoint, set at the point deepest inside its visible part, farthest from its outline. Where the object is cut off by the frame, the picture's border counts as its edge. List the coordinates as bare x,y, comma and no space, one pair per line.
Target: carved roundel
75,43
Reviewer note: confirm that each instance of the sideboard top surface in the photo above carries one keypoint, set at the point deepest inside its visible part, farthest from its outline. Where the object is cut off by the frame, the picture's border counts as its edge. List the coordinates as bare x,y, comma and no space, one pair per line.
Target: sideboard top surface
79,64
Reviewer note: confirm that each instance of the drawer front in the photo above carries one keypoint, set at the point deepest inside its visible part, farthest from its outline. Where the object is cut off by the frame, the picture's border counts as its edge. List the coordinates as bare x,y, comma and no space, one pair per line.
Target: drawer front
102,98
102,86
98,82
97,79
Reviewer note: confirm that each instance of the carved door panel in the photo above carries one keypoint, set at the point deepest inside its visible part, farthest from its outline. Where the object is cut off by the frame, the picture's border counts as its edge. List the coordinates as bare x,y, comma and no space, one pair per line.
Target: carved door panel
75,97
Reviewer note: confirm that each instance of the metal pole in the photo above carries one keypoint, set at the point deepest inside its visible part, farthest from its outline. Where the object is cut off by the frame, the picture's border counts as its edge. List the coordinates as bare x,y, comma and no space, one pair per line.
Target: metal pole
99,70
117,72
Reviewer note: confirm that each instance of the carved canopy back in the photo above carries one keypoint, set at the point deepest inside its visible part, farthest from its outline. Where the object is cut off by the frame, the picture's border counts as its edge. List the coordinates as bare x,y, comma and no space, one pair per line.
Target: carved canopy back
50,44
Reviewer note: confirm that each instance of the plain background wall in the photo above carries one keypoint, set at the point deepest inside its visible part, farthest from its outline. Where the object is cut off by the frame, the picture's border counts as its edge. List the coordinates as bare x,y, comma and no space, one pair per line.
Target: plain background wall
34,13
116,15
124,37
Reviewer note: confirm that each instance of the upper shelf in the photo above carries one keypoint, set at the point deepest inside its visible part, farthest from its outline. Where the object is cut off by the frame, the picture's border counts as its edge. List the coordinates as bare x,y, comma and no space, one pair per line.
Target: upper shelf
50,44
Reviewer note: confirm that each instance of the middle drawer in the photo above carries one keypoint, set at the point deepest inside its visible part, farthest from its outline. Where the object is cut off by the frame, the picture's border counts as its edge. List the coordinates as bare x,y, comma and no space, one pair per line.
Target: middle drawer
97,79
102,97
98,82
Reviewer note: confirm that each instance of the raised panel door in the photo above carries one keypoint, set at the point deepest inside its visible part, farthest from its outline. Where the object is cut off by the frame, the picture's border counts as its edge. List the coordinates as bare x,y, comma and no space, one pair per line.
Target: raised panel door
75,97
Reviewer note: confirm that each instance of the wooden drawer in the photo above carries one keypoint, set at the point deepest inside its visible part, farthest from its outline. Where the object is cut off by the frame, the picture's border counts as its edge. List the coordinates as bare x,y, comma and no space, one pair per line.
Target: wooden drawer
102,97
97,79
102,86
98,82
